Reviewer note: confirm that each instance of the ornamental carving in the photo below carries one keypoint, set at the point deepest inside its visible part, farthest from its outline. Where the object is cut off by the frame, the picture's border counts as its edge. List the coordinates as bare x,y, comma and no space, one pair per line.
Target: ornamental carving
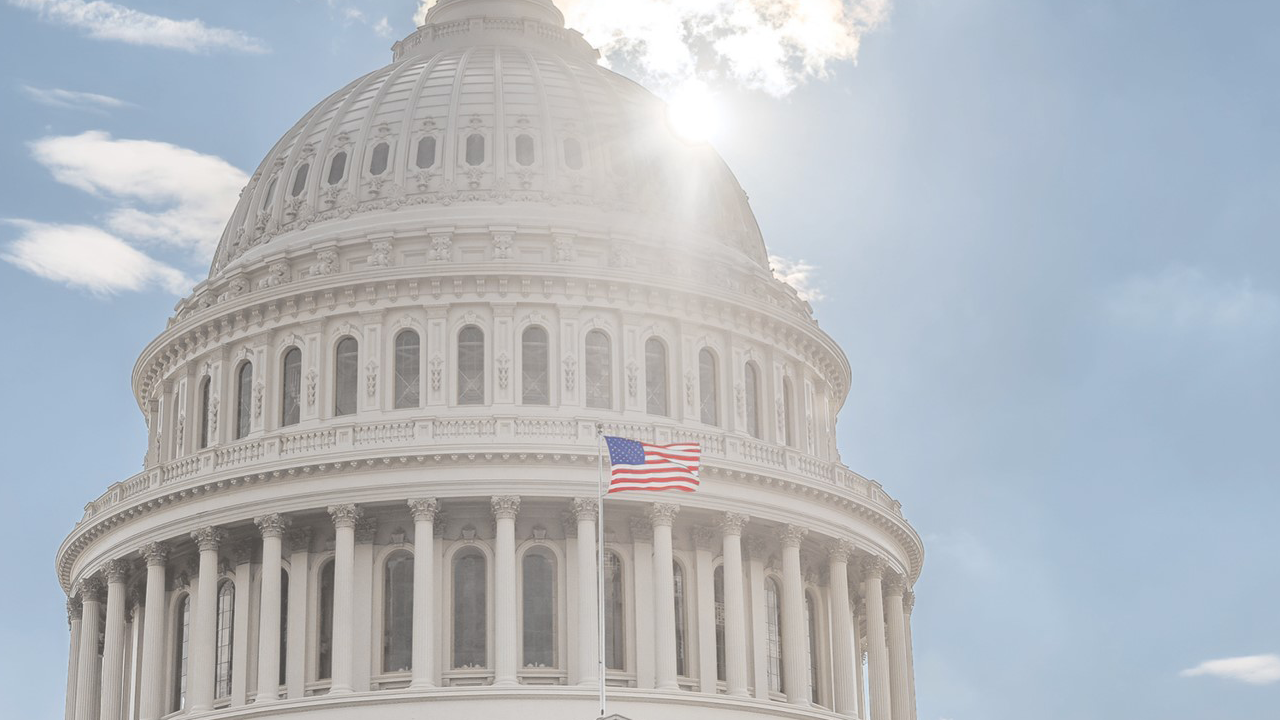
381,256
155,553
841,551
705,538
278,273
908,601
690,384
441,248
895,585
873,567
505,507
115,571
312,378
502,244
585,509
562,249
75,611
633,379
570,372
182,422
258,390
504,371
437,372
326,264
92,589
663,514
371,378
207,539
272,525
732,523
213,416
792,535
424,509
620,257
740,399
345,515
641,529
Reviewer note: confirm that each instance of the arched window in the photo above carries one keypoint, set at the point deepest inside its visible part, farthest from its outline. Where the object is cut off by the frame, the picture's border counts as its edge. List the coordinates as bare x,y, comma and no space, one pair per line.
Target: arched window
397,613
470,616
408,370
788,435
269,194
524,150
225,627
324,644
707,388
475,149
773,626
535,365
338,168
244,399
811,627
615,618
346,371
181,652
378,161
284,622
655,376
682,631
539,620
205,396
300,180
471,366
599,375
291,391
426,155
718,595
572,154
751,393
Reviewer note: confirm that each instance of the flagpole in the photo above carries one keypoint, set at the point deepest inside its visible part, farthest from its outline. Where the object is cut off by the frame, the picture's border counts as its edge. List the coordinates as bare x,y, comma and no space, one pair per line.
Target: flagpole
600,667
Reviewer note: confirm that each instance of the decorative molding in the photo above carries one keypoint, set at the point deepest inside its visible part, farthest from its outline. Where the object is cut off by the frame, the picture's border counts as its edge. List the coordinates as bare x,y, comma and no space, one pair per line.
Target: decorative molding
154,553
424,509
840,551
908,601
731,523
381,257
504,371
894,585
271,525
792,535
570,372
505,507
502,245
663,514
207,539
115,571
92,589
873,567
345,515
585,509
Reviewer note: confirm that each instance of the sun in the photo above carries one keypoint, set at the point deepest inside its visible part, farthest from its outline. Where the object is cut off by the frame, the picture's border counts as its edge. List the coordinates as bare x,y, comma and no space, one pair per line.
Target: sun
693,112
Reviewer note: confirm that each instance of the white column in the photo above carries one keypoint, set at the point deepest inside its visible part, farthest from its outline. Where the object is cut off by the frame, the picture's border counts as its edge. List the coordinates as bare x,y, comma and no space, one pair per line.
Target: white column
899,684
205,624
859,649
362,640
112,688
296,622
585,511
877,653
344,522
735,611
91,590
242,552
795,635
844,687
505,642
642,561
908,604
73,654
705,540
272,528
663,516
151,702
424,555
757,550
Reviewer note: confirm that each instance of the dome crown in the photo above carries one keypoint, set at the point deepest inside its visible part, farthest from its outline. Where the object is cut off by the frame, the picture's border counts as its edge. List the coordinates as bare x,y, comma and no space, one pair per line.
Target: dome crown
449,10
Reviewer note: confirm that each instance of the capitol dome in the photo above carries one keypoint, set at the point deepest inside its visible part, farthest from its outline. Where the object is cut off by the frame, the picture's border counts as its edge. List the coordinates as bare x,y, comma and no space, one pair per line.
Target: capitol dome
369,489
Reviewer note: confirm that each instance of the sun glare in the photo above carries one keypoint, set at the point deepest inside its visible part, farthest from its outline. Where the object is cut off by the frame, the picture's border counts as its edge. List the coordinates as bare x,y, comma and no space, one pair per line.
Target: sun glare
692,112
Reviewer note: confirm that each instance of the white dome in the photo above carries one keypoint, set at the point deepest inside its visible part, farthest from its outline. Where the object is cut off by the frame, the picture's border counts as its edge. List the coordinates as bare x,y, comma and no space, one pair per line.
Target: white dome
491,109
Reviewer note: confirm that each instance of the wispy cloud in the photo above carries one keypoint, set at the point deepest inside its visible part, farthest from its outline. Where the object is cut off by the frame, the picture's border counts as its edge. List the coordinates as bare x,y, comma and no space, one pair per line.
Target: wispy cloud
772,46
167,194
109,21
799,275
73,100
88,257
1185,298
350,14
1251,669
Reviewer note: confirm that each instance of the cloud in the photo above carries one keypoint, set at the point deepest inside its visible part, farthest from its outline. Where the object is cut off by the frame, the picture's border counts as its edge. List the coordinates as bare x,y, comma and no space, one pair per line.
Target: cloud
1185,298
350,14
108,21
87,257
169,195
1252,669
73,100
799,275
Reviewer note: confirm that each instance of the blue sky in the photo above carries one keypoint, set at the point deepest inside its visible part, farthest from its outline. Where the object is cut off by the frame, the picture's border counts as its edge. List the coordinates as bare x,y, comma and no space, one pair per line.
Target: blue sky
1044,232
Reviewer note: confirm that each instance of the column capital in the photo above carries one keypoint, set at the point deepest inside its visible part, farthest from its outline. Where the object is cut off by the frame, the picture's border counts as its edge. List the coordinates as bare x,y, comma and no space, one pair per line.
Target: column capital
705,538
585,509
895,585
271,525
345,515
873,567
505,507
663,514
155,553
424,509
91,589
792,535
641,529
841,551
115,571
908,601
732,523
366,530
299,539
75,610
757,548
208,538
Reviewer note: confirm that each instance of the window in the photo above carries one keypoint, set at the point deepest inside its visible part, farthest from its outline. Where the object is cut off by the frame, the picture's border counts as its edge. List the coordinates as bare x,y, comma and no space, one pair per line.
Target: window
615,634
773,623
471,366
204,438
337,168
524,150
397,613
718,595
682,631
572,154
291,392
475,149
539,621
470,616
811,626
707,390
408,370
655,376
244,399
346,369
599,375
788,437
269,194
378,162
426,152
181,651
535,366
226,620
751,379
324,644
300,180
284,623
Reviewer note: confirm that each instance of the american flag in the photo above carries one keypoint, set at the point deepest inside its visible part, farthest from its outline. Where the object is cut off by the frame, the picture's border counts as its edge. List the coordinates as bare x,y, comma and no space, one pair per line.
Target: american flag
635,465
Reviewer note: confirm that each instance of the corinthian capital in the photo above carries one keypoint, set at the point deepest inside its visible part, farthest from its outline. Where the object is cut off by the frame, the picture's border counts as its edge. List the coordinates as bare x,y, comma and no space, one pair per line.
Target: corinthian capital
272,525
345,515
91,589
895,585
908,601
663,514
585,509
155,553
424,509
208,538
505,507
841,551
792,535
74,611
732,523
873,567
116,571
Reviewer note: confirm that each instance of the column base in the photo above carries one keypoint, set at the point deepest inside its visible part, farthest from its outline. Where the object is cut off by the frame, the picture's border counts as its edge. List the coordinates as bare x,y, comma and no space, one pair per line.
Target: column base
340,690
422,685
506,682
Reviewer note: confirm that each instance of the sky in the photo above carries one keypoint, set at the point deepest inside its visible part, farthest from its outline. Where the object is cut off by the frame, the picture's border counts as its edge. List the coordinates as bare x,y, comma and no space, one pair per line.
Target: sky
1044,232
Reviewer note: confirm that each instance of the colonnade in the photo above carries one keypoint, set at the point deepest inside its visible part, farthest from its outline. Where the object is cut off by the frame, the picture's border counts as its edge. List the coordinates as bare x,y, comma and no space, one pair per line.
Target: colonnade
98,689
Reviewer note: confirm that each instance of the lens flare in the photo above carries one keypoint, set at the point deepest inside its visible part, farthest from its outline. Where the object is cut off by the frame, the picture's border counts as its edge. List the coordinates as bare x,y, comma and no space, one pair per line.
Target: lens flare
693,113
